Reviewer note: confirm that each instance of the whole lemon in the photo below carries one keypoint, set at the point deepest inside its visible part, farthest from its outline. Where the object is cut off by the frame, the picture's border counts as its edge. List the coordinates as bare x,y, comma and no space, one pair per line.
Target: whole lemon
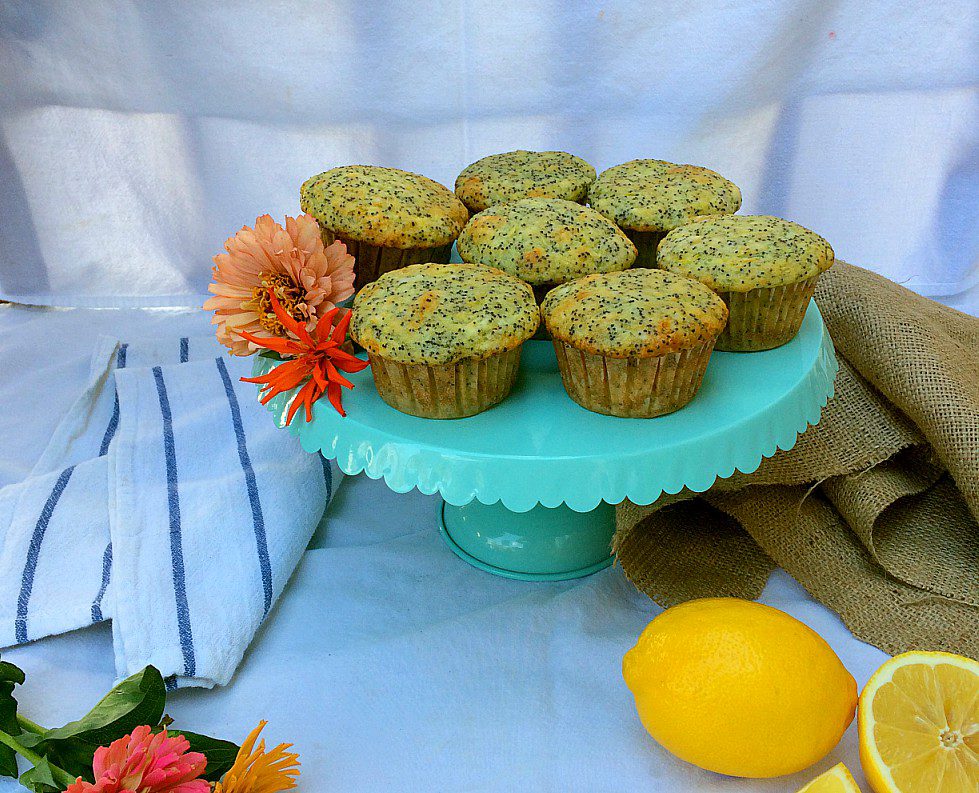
739,688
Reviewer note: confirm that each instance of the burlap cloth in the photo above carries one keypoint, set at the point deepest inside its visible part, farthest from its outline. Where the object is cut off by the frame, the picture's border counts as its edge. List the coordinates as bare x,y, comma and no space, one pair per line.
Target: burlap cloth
874,511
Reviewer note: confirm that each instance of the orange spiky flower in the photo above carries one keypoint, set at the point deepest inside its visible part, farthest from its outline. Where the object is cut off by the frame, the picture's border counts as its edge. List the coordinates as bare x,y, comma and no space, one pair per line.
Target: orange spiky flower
257,770
316,356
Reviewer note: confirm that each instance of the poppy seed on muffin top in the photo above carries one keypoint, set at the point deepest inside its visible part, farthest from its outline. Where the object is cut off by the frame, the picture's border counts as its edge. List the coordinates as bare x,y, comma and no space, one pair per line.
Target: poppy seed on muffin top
383,206
545,241
656,195
438,314
501,178
737,253
636,313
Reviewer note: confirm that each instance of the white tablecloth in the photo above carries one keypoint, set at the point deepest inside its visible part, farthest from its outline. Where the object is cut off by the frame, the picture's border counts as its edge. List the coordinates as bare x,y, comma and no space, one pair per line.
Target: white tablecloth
389,662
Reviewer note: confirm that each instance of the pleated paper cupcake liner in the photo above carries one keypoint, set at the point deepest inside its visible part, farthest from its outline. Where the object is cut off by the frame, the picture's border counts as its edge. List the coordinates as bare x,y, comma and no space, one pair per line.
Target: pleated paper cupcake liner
632,387
372,261
761,319
449,391
645,242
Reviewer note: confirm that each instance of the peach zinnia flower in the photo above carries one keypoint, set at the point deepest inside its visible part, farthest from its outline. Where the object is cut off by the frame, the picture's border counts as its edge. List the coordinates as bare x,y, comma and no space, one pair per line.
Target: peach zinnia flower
307,278
144,762
258,771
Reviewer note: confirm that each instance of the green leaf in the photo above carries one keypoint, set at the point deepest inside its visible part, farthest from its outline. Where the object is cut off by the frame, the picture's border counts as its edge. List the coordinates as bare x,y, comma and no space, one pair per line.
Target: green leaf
8,762
137,700
10,676
30,740
9,671
74,756
40,778
220,754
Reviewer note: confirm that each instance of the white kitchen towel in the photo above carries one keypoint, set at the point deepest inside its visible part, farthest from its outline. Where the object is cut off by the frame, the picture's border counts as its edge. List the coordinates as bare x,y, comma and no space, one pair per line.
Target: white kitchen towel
168,501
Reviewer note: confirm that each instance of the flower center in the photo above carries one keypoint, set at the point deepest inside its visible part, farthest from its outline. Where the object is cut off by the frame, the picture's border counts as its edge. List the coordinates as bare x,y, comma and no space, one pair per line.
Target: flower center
290,297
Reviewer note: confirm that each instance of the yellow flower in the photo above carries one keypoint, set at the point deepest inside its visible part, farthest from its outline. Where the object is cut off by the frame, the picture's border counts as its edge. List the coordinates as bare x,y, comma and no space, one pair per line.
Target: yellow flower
259,771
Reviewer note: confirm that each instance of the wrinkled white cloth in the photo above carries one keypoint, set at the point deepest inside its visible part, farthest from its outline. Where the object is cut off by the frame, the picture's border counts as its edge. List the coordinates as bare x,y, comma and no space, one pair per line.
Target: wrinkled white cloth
166,500
136,137
392,665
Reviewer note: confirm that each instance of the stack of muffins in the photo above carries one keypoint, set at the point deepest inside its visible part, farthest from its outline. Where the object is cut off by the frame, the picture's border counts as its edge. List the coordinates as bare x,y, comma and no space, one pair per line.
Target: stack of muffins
636,275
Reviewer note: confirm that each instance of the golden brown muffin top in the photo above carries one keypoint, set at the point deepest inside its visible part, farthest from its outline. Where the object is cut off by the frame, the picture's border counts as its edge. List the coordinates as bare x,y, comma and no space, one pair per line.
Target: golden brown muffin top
442,313
635,313
736,253
655,195
383,206
501,178
545,241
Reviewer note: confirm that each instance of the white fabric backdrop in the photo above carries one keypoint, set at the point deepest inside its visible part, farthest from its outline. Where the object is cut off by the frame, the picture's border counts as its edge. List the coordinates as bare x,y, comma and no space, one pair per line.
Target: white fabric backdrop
135,137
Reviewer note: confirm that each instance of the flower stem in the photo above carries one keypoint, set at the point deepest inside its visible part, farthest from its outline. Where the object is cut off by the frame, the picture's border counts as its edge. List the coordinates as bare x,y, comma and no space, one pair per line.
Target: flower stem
61,776
29,726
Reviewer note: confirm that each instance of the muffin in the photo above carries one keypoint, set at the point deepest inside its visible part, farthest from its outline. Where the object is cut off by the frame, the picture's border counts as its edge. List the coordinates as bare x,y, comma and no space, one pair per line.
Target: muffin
648,198
545,242
501,178
634,343
444,339
764,268
387,218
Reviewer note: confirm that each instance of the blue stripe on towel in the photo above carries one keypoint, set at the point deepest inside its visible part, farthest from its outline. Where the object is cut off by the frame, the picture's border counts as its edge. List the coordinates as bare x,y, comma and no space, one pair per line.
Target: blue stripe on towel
176,539
106,572
184,349
34,550
110,431
258,519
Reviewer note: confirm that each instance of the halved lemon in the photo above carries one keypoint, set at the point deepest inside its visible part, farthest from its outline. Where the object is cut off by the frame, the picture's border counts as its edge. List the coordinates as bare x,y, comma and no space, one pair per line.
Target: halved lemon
919,725
836,780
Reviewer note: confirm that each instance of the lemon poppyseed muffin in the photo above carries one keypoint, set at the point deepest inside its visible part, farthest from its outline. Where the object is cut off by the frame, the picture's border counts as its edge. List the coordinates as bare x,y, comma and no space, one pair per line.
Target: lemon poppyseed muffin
764,268
444,339
388,218
545,241
648,198
501,178
634,343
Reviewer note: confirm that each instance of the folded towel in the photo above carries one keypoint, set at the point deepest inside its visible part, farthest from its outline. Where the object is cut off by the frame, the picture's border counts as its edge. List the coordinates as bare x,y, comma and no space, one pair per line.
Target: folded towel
168,501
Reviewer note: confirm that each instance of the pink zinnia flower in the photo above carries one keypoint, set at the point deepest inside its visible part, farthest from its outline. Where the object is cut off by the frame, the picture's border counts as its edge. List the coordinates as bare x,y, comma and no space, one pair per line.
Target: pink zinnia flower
307,278
145,763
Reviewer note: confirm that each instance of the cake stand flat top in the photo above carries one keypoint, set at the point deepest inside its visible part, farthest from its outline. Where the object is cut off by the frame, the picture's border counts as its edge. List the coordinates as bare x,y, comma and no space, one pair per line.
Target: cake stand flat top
540,447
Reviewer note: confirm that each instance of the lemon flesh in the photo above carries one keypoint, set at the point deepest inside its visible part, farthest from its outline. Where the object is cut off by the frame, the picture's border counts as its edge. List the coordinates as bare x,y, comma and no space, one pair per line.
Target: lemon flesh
837,780
739,688
919,725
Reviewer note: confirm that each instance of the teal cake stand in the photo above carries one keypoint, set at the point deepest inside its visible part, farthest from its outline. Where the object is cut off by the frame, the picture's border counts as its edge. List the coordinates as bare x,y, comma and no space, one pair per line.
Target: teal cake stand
528,487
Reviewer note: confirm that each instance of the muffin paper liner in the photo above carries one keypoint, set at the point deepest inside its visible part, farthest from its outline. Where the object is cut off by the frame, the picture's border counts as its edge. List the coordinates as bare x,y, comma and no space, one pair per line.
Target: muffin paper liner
645,242
761,319
632,387
448,391
372,261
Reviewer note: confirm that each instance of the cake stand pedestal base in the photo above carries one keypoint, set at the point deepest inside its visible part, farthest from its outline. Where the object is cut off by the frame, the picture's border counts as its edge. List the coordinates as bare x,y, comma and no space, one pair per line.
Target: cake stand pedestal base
542,544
